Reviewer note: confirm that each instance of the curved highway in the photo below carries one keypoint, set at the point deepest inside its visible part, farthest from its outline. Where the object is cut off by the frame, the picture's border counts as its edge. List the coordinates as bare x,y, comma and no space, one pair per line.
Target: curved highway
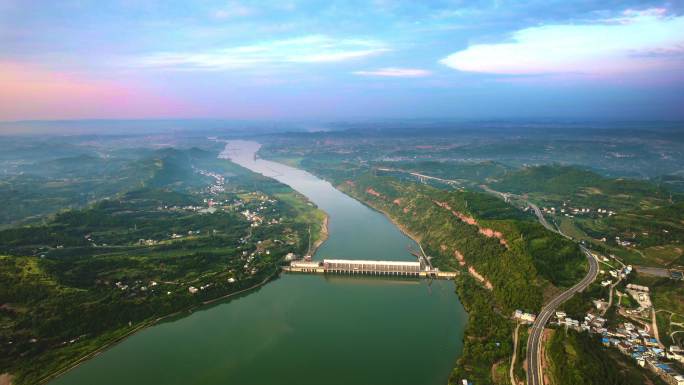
534,371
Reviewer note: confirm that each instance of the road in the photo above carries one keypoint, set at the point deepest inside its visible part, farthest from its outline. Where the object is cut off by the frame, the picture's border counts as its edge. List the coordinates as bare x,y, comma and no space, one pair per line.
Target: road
421,176
515,353
612,289
534,371
535,208
654,326
542,220
534,341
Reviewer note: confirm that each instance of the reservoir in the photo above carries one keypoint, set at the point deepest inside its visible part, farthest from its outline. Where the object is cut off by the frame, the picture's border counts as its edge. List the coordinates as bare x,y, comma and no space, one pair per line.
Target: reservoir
303,329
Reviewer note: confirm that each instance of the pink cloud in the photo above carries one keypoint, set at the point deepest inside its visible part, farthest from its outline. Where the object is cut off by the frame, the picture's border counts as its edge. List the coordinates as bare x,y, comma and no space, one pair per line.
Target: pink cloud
31,92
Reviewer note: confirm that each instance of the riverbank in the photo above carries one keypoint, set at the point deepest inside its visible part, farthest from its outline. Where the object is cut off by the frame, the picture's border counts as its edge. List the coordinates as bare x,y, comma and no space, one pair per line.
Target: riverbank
414,237
119,339
285,322
322,236
110,339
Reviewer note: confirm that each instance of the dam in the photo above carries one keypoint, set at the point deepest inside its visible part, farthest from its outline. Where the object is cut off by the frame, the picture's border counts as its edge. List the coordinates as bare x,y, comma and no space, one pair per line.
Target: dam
368,267
269,335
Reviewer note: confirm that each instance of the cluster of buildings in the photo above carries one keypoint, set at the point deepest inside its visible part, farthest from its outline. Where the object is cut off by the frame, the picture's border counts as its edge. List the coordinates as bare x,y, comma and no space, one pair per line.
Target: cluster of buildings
640,294
624,242
257,215
249,259
572,211
134,287
646,351
591,323
219,182
636,342
253,217
194,290
524,317
210,206
632,341
621,273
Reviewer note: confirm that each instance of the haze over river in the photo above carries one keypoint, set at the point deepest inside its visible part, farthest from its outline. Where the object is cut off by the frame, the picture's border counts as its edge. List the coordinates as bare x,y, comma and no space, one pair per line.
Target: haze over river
303,329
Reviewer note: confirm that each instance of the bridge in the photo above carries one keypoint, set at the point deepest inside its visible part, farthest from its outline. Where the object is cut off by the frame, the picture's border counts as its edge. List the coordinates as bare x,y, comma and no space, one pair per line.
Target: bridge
367,267
422,177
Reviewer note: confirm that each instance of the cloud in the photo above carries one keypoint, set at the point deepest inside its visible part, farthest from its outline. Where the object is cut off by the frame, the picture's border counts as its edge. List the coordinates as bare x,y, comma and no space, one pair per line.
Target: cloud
618,45
395,72
307,49
32,92
234,9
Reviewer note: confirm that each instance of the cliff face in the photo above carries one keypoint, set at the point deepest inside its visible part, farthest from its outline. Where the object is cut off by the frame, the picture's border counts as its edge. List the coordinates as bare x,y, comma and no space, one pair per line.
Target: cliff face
492,243
487,232
502,249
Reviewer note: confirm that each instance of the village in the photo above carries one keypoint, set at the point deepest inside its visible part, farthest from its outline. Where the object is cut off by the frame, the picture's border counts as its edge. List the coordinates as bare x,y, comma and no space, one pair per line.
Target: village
568,211
634,332
257,208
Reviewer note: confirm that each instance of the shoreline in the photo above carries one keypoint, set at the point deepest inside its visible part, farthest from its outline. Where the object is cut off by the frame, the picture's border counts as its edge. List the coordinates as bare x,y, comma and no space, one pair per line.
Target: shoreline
150,323
323,235
394,222
415,238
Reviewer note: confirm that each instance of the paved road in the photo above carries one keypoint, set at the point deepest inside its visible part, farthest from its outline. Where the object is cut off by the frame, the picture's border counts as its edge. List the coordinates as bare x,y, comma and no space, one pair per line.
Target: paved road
542,219
422,176
534,372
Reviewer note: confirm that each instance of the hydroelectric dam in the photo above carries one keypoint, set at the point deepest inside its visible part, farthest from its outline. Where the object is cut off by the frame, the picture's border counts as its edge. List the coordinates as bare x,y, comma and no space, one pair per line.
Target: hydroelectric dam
368,267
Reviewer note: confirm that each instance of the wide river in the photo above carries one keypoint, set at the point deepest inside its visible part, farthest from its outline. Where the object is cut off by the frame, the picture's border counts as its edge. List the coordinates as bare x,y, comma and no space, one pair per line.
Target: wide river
303,329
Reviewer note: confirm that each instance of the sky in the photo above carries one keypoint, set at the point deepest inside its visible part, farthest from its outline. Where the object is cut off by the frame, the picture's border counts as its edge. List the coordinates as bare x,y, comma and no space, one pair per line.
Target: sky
265,60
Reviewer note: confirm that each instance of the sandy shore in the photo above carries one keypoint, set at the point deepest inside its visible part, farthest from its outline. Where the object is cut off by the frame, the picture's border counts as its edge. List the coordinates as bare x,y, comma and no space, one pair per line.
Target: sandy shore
323,236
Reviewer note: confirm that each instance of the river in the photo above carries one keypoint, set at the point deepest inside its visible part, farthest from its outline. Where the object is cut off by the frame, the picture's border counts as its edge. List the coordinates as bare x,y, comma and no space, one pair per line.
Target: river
303,329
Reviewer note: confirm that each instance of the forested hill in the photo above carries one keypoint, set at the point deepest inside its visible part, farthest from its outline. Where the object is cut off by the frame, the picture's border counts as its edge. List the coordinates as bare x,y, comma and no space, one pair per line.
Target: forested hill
81,279
508,261
582,186
507,246
48,186
606,212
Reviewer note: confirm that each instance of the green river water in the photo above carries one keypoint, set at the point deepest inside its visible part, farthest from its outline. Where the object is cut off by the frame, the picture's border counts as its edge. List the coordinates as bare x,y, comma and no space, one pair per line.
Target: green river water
303,329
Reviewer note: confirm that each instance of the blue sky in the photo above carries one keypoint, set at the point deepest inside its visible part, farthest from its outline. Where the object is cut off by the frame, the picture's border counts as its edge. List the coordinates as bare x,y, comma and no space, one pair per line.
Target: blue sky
338,60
